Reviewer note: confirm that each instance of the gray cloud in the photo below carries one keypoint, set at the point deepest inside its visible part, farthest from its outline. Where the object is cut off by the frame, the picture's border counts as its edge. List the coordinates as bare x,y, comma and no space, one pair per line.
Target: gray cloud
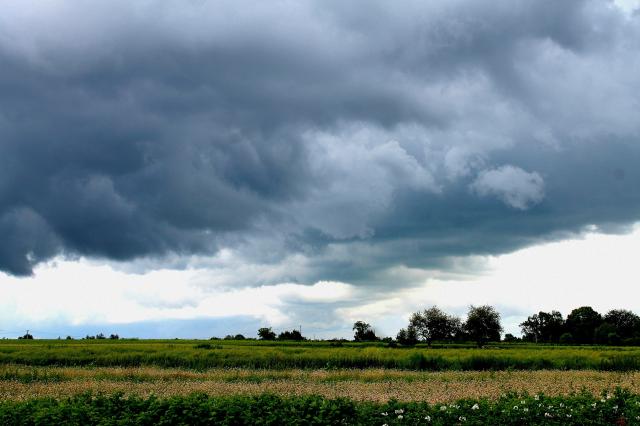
339,139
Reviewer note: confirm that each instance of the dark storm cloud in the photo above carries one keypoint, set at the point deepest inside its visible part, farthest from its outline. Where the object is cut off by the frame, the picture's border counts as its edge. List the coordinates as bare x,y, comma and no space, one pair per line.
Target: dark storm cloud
360,138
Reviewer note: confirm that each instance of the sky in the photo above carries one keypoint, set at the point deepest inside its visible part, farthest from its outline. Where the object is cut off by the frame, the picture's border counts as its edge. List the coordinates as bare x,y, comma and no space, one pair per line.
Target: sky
199,168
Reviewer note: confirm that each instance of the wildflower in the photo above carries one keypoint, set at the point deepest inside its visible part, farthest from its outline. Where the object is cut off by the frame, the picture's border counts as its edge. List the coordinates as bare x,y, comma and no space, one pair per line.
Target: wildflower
568,416
462,419
515,407
615,408
525,409
400,416
608,396
548,415
594,404
561,405
523,402
475,407
400,411
385,414
443,408
428,418
537,397
385,424
603,400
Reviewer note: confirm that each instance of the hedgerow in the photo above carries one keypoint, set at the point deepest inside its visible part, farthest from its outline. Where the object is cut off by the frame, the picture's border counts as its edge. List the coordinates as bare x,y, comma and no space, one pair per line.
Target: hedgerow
619,407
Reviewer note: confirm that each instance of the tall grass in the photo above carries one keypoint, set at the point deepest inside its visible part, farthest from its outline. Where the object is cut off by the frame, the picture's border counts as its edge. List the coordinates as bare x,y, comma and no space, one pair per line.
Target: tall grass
198,355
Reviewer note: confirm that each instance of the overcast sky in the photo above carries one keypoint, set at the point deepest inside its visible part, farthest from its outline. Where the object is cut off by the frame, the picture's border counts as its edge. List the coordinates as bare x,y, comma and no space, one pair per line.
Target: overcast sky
197,168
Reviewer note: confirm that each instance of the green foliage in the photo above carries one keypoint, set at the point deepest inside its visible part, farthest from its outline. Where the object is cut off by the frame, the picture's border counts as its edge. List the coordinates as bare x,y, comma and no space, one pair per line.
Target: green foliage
619,407
364,332
483,324
582,323
265,333
293,335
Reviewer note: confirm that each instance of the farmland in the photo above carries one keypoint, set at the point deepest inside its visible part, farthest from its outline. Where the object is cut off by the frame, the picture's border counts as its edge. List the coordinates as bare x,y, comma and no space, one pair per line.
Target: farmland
199,355
347,379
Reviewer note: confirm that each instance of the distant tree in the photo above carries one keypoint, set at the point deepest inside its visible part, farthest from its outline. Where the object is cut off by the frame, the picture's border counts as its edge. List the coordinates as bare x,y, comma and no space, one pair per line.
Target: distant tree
100,336
483,324
238,337
407,336
510,338
26,336
433,324
543,327
627,323
364,332
566,339
114,337
605,334
582,323
265,333
291,335
69,338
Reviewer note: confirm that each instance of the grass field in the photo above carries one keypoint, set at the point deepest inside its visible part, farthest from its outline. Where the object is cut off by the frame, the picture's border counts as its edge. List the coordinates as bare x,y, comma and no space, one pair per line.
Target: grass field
202,355
145,382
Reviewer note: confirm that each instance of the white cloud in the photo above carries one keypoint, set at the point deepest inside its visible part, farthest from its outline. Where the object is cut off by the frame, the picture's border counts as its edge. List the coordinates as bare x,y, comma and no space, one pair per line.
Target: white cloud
598,270
514,186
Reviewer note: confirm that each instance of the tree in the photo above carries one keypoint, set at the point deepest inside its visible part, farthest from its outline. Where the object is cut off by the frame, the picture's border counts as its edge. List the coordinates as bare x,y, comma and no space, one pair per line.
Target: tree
407,336
582,323
543,327
363,332
433,324
291,335
483,324
265,333
626,323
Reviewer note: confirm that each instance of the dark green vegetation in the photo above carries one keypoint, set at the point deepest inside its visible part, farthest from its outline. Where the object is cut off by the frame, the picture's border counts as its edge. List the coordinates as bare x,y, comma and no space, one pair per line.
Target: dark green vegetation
583,409
283,355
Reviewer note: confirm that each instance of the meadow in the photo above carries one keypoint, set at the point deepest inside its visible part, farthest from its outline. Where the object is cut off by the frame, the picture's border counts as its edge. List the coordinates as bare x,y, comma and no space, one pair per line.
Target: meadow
200,355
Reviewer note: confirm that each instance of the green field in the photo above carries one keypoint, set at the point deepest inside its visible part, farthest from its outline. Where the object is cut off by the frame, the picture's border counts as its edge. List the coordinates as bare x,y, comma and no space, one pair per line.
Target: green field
256,382
312,355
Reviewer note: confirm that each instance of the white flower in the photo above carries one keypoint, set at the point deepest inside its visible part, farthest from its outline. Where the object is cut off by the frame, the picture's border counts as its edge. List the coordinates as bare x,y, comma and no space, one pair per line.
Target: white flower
385,424
525,409
428,418
615,408
443,408
569,416
462,419
515,407
547,415
475,407
400,411
385,414
537,397
594,404
603,400
523,402
400,416
561,405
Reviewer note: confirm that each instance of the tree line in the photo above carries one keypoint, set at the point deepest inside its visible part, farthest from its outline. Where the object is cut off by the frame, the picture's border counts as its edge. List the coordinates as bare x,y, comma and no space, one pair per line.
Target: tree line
483,324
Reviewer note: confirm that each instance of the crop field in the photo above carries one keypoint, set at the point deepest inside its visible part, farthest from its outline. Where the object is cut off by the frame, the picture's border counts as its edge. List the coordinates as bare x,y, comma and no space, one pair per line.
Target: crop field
328,382
201,355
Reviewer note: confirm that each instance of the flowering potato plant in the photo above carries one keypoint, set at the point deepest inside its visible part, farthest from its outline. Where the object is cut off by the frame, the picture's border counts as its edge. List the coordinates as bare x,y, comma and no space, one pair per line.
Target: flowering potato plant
620,408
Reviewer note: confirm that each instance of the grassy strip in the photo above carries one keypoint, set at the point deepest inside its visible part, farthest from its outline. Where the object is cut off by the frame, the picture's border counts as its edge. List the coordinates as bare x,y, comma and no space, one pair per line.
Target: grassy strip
307,356
581,409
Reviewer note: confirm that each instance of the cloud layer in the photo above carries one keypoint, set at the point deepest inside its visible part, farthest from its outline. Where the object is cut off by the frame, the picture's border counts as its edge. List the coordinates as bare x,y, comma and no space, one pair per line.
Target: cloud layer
313,140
